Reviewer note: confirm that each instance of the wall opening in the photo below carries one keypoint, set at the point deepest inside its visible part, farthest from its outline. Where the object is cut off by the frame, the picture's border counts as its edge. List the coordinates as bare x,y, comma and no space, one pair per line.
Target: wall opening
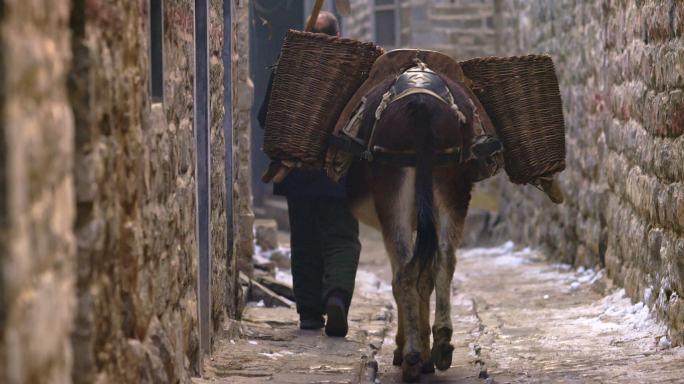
386,23
265,41
157,50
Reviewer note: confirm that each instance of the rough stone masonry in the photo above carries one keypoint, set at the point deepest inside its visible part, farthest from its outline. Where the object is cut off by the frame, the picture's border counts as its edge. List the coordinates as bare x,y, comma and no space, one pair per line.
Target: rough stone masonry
460,28
98,244
621,70
37,244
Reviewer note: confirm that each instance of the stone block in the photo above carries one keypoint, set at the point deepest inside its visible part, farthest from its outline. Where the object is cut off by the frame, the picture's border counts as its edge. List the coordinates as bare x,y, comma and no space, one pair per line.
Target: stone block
266,234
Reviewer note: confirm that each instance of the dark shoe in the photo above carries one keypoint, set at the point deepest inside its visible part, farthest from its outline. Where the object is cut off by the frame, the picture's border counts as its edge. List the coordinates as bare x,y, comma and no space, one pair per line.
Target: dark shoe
310,322
336,324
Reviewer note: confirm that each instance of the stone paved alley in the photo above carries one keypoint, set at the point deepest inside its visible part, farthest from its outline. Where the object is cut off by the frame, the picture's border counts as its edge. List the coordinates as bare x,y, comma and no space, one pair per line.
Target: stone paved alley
517,319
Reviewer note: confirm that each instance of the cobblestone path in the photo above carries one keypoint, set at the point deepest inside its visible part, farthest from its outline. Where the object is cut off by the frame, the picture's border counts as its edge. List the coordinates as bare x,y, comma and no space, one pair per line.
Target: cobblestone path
517,319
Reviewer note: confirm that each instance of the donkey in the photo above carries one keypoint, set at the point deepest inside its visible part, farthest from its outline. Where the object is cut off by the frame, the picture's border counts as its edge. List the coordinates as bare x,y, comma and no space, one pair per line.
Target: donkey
419,129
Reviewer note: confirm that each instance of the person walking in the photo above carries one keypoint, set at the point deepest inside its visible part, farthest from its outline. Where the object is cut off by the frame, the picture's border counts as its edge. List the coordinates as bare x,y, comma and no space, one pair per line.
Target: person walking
324,235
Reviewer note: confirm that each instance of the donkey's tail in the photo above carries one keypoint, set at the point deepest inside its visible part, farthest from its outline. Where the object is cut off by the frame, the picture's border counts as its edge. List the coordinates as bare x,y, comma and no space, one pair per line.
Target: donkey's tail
420,111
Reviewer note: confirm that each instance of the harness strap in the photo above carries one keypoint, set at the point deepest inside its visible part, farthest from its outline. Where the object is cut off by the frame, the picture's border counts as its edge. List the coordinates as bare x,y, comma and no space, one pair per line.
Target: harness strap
365,150
351,145
413,91
441,158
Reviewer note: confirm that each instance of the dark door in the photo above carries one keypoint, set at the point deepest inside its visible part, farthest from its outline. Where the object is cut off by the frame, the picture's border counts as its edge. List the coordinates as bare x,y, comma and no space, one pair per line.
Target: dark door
270,21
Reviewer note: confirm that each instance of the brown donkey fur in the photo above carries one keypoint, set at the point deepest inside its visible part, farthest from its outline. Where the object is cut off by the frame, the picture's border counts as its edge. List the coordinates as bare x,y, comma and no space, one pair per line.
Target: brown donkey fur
420,211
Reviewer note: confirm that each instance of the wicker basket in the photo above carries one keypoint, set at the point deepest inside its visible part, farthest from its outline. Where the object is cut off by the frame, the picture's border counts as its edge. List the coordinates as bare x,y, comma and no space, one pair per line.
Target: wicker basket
522,99
315,77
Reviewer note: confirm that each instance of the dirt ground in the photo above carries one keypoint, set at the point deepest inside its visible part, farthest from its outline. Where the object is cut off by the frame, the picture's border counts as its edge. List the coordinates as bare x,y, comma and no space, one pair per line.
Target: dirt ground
517,319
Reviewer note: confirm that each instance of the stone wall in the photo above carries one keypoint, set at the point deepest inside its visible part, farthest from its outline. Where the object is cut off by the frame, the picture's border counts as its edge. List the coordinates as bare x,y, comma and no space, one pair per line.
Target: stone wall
359,24
223,286
620,66
98,243
242,96
37,245
460,28
136,195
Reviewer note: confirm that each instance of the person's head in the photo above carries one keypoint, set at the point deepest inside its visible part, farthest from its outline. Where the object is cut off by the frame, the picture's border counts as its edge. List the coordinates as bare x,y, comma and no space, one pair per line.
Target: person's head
327,23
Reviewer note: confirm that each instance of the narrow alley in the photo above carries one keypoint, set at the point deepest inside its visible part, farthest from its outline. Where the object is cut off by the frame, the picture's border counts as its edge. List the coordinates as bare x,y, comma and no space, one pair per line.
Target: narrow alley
518,318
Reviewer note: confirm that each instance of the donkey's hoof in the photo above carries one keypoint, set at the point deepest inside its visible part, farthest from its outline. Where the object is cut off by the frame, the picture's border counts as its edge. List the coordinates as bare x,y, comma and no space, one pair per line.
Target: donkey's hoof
398,358
427,368
411,367
442,355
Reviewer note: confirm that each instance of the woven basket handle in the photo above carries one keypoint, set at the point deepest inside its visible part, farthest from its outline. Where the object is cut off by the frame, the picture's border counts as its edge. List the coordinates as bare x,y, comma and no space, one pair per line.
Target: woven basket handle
314,15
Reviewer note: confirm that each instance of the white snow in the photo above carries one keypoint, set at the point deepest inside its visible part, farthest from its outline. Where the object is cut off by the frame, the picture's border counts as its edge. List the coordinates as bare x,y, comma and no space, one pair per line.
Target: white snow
648,294
284,276
369,283
506,255
272,356
262,256
265,255
626,322
504,248
259,258
503,255
613,316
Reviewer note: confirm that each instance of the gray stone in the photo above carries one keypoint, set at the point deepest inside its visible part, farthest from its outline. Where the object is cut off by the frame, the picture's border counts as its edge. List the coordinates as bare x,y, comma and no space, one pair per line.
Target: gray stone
266,232
259,292
282,289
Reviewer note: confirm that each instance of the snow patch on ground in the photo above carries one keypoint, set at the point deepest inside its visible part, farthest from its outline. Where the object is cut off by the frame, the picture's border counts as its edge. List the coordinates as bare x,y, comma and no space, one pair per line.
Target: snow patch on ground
284,275
263,255
625,322
506,255
272,356
369,283
614,315
503,255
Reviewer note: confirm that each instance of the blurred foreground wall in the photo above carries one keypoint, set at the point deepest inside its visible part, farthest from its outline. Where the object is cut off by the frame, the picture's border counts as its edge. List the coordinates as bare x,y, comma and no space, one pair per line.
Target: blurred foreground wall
98,200
621,69
37,243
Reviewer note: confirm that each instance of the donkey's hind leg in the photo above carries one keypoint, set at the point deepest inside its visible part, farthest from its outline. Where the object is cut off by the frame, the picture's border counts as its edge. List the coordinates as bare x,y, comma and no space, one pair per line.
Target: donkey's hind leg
445,264
405,275
394,198
426,284
400,340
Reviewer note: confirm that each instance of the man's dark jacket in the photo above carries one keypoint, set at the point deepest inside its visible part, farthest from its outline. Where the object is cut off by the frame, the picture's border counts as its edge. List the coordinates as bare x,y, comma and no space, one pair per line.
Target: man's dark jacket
300,182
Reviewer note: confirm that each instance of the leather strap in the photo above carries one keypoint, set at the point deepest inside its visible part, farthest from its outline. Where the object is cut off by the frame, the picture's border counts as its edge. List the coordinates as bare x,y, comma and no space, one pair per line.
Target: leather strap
444,158
351,145
397,158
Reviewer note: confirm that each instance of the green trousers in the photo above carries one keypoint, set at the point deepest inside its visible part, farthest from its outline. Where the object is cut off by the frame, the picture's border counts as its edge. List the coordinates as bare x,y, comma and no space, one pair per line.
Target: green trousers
324,237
